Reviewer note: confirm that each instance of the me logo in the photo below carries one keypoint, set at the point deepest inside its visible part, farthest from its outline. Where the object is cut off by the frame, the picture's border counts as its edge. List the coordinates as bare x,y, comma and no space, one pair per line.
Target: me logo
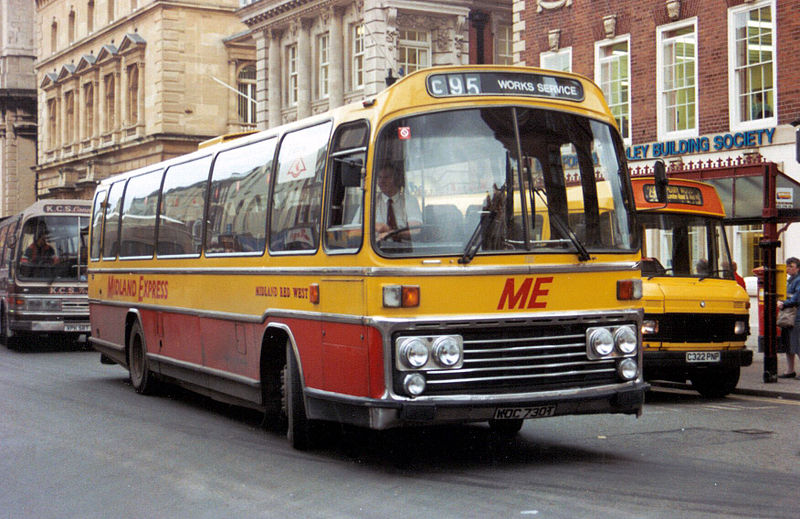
527,296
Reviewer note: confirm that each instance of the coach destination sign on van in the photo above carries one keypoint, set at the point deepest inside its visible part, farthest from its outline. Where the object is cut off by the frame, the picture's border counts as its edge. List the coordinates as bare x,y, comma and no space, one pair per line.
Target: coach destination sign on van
504,83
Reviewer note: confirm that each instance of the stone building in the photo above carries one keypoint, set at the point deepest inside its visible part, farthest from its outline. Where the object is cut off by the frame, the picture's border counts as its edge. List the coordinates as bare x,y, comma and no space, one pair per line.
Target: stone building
126,83
17,106
690,82
313,55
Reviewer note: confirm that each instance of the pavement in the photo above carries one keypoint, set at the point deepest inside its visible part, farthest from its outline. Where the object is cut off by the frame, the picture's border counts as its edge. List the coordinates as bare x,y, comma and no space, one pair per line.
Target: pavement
751,380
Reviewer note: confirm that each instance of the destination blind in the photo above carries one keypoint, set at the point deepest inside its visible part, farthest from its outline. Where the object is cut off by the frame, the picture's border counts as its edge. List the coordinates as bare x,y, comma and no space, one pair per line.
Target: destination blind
675,195
504,83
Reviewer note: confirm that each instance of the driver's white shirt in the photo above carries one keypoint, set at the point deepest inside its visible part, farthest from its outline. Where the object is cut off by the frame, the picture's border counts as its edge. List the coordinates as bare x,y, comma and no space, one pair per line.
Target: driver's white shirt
405,207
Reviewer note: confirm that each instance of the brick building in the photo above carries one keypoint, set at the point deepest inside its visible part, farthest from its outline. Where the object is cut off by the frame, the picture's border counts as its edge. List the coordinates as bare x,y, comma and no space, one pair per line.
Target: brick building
688,80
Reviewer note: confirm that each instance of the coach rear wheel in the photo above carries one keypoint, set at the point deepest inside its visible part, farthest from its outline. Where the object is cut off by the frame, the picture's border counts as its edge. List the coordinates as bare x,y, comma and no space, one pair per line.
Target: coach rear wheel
141,378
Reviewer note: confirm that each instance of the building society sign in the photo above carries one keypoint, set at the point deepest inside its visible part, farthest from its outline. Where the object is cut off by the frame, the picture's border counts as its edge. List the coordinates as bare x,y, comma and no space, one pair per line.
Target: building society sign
727,141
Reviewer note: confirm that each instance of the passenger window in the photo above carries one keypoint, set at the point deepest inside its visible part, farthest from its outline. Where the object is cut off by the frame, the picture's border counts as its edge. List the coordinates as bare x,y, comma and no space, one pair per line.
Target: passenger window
111,227
346,195
180,224
138,232
11,242
3,233
97,224
297,198
237,213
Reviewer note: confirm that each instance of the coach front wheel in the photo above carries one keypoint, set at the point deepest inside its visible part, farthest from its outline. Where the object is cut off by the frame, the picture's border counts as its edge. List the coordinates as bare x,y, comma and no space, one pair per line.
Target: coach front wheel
299,426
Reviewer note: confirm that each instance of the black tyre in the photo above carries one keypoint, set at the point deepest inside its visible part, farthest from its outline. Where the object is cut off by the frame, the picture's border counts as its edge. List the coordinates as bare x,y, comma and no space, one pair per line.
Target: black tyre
506,428
7,336
299,427
715,383
141,377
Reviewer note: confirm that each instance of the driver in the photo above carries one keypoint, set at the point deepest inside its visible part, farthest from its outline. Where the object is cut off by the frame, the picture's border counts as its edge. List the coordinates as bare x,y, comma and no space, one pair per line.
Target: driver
40,252
394,208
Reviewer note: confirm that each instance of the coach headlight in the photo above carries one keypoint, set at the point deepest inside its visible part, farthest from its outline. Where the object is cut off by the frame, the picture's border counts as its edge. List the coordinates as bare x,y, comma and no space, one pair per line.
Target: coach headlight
628,369
413,352
625,340
414,384
601,342
447,351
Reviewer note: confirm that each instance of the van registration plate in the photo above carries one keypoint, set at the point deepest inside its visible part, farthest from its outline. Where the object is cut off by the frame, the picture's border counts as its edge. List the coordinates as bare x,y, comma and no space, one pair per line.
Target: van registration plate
703,356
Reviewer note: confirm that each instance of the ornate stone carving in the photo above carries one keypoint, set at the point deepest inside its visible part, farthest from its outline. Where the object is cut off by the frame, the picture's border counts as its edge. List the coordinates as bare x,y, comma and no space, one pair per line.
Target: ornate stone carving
674,9
554,39
443,39
552,4
610,25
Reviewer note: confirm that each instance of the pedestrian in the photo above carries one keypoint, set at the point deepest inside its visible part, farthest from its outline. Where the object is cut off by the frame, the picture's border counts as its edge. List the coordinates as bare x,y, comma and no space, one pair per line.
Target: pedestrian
739,279
792,300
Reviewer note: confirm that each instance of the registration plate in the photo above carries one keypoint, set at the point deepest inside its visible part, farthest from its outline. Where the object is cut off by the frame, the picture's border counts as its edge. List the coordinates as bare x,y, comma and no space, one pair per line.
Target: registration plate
77,327
703,356
514,413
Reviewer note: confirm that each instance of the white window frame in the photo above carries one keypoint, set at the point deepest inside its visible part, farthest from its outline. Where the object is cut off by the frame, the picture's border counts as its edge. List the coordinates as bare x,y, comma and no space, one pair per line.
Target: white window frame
246,107
663,133
419,46
560,55
291,75
359,56
504,44
736,122
598,60
323,65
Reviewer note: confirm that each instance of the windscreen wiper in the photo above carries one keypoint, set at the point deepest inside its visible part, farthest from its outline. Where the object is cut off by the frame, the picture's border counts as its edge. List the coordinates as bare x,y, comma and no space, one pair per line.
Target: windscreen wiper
563,228
488,216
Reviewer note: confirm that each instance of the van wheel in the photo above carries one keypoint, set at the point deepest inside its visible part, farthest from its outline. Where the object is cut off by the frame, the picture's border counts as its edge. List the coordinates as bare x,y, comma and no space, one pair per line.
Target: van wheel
715,383
299,427
506,428
141,377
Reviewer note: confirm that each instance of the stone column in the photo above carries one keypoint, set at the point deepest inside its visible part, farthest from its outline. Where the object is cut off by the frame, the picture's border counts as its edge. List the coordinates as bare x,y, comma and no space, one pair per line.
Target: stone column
100,103
80,115
274,78
140,110
336,64
304,77
124,93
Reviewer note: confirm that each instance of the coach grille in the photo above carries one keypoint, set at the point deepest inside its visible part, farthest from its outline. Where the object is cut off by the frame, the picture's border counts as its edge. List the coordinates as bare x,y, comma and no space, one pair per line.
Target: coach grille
75,306
521,359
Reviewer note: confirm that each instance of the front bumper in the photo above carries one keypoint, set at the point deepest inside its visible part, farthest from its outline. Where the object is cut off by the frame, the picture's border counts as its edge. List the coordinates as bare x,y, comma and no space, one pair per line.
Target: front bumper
386,414
51,326
658,360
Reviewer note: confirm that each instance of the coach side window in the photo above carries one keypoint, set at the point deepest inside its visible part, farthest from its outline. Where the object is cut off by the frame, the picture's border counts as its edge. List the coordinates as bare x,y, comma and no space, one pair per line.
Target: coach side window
11,243
111,227
3,234
180,224
97,224
237,211
138,231
297,197
346,194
